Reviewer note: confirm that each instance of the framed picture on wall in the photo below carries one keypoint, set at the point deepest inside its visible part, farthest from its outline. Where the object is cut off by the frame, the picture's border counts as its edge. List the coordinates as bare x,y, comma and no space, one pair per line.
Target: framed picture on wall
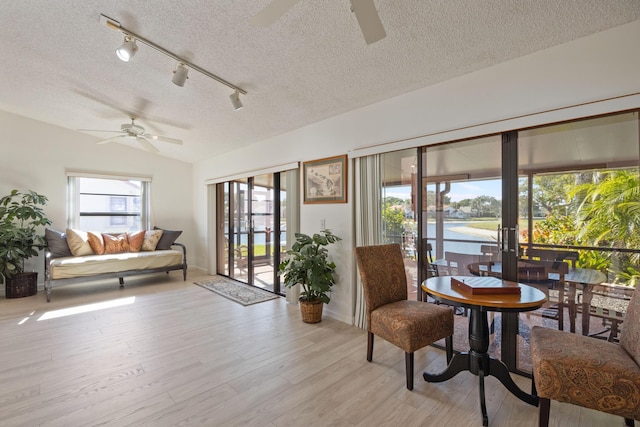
325,180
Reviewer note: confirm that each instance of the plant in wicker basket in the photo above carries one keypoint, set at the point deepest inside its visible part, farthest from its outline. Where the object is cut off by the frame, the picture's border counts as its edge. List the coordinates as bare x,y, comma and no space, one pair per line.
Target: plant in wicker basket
307,264
21,215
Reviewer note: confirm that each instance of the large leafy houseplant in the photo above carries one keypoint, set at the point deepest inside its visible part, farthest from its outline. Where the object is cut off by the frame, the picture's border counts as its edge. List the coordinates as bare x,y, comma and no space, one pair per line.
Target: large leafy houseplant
307,263
21,215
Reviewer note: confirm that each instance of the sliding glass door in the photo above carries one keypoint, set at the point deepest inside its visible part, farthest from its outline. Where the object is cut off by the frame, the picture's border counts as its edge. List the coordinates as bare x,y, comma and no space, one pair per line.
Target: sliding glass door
571,189
263,215
234,237
252,217
462,218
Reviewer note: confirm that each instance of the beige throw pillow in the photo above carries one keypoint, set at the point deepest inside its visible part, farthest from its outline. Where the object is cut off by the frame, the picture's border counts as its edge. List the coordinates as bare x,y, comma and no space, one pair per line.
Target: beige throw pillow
78,242
151,239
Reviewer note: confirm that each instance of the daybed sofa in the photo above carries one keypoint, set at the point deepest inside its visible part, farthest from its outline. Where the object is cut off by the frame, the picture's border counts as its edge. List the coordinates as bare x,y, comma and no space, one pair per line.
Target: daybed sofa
79,256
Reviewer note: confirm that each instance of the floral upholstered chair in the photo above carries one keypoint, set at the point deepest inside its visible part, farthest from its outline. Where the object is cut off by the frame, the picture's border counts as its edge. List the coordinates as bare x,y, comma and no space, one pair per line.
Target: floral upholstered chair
407,324
589,372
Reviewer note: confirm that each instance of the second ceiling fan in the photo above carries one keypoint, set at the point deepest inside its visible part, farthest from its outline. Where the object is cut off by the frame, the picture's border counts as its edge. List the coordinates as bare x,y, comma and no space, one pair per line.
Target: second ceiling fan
134,131
365,11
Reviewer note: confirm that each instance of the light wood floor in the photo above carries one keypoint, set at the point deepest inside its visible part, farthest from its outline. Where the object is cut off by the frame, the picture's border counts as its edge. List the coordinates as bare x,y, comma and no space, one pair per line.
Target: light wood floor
173,353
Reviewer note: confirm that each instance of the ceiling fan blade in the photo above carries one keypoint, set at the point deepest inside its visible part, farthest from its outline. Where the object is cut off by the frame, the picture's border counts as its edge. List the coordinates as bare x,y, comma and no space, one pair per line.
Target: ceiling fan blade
163,138
113,138
98,130
272,12
369,20
147,145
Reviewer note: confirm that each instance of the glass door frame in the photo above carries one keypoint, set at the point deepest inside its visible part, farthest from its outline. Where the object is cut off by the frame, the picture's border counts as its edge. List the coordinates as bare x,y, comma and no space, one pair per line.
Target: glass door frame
510,244
227,242
508,236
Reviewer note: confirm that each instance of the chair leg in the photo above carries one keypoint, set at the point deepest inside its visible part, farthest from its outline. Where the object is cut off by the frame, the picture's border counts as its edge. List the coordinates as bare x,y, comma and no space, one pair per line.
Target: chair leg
448,346
369,346
561,307
629,422
408,361
613,333
545,406
534,392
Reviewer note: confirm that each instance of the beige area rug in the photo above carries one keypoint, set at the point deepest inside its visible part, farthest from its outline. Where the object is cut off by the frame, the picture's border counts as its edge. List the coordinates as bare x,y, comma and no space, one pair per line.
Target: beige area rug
236,291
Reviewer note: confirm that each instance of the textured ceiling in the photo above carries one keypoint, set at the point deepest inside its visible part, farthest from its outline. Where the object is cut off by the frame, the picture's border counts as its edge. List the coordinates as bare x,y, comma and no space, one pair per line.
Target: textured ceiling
60,66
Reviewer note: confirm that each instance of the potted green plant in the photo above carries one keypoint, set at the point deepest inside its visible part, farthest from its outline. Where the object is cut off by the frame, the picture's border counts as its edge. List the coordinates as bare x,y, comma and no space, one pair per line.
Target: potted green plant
307,263
21,215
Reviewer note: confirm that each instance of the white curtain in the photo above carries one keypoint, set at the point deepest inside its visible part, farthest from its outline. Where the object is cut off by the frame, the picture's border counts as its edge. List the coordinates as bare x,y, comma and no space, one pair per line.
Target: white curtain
368,189
292,210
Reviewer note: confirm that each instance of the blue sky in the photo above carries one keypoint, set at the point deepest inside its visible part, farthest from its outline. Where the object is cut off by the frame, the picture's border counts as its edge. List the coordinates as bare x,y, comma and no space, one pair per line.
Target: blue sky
459,191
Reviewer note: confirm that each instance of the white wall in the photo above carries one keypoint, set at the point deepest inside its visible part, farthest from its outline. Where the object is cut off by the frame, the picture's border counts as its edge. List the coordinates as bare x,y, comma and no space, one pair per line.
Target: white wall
529,90
35,156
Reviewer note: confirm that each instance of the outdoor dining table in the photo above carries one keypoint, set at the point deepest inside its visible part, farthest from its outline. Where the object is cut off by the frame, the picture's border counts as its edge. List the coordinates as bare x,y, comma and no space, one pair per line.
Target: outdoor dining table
585,278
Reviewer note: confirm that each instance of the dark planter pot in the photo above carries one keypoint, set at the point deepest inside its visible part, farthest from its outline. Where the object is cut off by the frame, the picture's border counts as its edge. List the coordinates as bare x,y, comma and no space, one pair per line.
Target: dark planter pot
311,311
21,285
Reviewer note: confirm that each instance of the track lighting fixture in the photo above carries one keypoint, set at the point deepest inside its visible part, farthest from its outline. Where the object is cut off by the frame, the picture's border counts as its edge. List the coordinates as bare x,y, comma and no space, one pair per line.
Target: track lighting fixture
180,74
235,100
127,50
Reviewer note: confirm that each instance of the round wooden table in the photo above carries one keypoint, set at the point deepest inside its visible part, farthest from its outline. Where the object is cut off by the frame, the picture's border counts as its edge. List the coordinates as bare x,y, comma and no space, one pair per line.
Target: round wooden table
477,359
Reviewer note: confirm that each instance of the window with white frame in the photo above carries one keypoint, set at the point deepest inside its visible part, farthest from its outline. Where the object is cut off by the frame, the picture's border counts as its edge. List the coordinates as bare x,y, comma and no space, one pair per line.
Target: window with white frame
108,204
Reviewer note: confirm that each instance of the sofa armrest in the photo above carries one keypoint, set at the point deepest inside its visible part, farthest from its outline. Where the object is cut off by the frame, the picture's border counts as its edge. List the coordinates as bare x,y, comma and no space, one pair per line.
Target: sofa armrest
47,262
184,248
184,258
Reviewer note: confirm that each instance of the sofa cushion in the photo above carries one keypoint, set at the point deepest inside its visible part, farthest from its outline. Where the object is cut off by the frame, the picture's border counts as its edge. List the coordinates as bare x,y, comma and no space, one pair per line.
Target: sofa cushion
151,239
135,240
96,242
167,239
91,265
78,242
57,243
117,244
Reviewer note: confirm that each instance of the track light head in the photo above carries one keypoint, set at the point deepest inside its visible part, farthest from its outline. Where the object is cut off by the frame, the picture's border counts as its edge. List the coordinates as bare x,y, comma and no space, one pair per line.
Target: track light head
180,74
127,50
235,100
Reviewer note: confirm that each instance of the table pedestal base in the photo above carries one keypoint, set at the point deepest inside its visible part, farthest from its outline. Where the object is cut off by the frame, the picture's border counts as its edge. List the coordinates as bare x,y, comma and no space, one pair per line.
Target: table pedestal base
478,362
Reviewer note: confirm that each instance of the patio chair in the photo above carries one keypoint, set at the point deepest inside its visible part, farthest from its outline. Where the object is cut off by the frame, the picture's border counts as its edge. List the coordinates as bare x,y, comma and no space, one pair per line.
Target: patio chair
570,257
457,262
491,251
549,277
428,269
409,325
607,302
587,372
241,257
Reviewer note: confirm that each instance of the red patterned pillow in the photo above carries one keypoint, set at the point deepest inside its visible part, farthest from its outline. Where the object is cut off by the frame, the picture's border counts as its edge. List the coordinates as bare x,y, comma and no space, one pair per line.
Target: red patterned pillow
135,240
115,244
96,241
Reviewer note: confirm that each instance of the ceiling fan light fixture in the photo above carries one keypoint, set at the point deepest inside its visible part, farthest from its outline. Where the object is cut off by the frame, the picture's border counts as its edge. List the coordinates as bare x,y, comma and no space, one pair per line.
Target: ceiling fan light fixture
235,100
180,74
128,48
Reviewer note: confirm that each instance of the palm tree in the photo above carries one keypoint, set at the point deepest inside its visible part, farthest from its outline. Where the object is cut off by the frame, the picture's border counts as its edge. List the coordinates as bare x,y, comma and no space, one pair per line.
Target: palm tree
609,215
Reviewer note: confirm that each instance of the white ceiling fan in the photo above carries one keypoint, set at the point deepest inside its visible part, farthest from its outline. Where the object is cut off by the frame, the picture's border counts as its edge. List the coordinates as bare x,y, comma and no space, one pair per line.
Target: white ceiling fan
134,131
365,11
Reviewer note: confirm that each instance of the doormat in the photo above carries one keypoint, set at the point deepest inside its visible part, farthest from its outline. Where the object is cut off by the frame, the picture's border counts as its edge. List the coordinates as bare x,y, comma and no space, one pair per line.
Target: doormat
236,291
